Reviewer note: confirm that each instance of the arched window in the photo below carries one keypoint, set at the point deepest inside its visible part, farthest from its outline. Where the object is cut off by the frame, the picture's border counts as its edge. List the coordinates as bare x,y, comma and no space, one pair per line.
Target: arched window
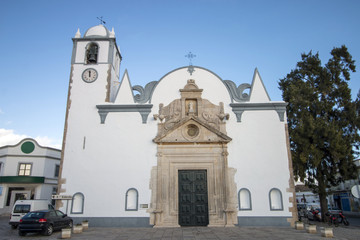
131,200
275,199
77,205
92,53
244,199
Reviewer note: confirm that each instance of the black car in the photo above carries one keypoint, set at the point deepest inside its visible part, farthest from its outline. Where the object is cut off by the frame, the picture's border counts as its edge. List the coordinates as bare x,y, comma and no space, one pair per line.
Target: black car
44,221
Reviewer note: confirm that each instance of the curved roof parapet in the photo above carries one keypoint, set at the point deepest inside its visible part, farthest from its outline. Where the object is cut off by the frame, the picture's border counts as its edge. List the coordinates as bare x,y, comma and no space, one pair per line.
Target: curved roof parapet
236,93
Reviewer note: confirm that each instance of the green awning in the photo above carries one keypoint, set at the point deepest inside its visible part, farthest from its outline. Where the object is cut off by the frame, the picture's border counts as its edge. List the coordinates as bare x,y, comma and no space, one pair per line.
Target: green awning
21,179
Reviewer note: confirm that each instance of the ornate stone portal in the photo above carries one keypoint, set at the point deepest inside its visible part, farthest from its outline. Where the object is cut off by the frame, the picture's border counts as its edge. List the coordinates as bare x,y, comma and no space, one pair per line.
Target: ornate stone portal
192,136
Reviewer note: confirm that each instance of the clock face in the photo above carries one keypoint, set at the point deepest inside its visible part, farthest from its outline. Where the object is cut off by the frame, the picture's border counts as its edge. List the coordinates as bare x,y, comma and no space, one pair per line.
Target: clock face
89,75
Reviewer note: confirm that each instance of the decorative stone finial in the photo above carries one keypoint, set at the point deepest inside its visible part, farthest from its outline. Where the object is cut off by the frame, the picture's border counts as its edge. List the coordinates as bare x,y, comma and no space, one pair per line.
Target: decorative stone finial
77,34
112,33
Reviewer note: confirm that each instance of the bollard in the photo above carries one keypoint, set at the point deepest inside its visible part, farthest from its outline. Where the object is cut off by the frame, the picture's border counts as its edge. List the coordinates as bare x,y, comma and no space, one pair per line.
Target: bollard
311,229
327,232
299,225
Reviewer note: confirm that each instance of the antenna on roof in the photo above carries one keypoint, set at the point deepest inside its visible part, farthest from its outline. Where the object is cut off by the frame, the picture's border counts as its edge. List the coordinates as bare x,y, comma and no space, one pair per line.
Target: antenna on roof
101,20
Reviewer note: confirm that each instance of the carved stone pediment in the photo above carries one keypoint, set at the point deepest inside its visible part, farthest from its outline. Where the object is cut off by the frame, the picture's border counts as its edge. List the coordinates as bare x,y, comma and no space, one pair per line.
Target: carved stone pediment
191,129
208,119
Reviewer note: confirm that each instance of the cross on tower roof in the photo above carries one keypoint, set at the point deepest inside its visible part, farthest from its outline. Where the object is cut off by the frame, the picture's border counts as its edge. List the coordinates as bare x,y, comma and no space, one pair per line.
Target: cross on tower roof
102,22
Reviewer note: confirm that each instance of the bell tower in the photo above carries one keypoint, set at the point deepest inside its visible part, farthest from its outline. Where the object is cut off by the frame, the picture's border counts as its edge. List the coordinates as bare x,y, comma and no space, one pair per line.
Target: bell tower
94,79
96,61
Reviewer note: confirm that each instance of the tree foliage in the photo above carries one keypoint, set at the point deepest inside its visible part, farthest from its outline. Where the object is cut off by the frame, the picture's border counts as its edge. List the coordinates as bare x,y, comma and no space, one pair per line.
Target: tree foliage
322,120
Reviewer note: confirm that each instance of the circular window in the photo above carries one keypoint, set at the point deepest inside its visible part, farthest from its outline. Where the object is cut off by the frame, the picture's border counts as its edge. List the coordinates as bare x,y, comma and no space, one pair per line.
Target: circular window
192,130
27,147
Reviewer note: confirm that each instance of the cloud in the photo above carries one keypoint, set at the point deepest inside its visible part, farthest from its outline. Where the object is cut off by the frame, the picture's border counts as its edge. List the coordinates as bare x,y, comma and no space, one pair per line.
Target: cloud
9,137
48,142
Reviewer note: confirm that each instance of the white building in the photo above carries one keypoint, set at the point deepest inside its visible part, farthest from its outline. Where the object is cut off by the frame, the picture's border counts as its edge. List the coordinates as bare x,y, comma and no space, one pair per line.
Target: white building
342,196
190,149
27,171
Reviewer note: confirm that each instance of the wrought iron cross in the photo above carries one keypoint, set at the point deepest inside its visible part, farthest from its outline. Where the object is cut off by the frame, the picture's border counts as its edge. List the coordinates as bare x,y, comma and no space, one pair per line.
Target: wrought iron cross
190,56
101,20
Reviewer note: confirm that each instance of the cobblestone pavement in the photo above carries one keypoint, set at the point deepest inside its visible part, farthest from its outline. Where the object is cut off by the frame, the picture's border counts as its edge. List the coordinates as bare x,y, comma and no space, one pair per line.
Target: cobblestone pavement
189,233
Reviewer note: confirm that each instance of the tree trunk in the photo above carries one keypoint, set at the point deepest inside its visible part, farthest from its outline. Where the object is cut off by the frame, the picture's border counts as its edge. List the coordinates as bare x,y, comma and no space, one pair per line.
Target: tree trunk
322,197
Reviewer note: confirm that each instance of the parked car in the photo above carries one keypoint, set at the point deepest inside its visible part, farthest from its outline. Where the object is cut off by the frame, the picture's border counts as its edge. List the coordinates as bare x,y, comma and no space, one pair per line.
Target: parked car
44,221
22,207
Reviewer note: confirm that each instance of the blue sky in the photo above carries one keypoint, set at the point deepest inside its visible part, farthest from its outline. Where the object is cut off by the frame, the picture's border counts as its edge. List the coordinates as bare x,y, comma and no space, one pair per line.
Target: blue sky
230,38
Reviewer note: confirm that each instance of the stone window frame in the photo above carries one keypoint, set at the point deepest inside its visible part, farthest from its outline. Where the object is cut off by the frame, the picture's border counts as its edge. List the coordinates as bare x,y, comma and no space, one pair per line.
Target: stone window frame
82,203
24,163
137,200
250,207
281,200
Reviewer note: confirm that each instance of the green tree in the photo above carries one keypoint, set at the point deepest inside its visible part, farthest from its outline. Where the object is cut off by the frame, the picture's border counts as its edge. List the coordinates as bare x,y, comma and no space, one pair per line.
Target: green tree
322,120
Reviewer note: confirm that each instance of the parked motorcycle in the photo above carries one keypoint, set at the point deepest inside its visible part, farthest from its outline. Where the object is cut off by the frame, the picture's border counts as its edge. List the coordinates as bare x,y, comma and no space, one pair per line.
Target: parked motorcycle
314,214
342,219
336,219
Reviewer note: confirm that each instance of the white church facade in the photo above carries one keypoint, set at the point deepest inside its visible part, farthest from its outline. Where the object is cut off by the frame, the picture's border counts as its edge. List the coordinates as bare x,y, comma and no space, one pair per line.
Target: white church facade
189,149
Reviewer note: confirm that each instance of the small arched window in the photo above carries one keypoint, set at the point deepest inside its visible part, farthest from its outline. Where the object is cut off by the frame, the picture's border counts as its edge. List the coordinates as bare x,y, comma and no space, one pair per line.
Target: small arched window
131,200
77,205
244,199
275,199
92,53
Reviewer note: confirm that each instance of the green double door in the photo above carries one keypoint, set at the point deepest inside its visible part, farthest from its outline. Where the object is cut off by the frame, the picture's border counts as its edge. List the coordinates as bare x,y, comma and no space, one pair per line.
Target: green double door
193,198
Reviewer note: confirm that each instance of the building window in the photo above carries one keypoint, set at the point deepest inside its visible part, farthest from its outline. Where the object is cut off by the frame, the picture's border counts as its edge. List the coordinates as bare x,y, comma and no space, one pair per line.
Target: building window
54,192
24,169
275,199
57,169
244,199
1,167
131,200
77,205
92,53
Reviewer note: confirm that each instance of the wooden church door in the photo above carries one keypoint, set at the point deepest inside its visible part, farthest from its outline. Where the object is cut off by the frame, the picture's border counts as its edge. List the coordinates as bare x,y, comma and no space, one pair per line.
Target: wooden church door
193,198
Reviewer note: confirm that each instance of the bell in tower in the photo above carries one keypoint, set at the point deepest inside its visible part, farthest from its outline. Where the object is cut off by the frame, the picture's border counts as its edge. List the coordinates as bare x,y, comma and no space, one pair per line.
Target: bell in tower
92,53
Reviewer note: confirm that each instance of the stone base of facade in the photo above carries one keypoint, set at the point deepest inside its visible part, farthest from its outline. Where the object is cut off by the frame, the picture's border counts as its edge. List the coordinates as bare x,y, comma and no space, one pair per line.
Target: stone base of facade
263,221
130,222
143,222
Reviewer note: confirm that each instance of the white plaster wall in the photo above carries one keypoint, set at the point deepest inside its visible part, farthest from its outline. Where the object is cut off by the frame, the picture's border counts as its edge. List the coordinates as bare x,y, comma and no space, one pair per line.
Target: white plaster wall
167,89
12,165
44,191
116,159
119,154
49,168
258,152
